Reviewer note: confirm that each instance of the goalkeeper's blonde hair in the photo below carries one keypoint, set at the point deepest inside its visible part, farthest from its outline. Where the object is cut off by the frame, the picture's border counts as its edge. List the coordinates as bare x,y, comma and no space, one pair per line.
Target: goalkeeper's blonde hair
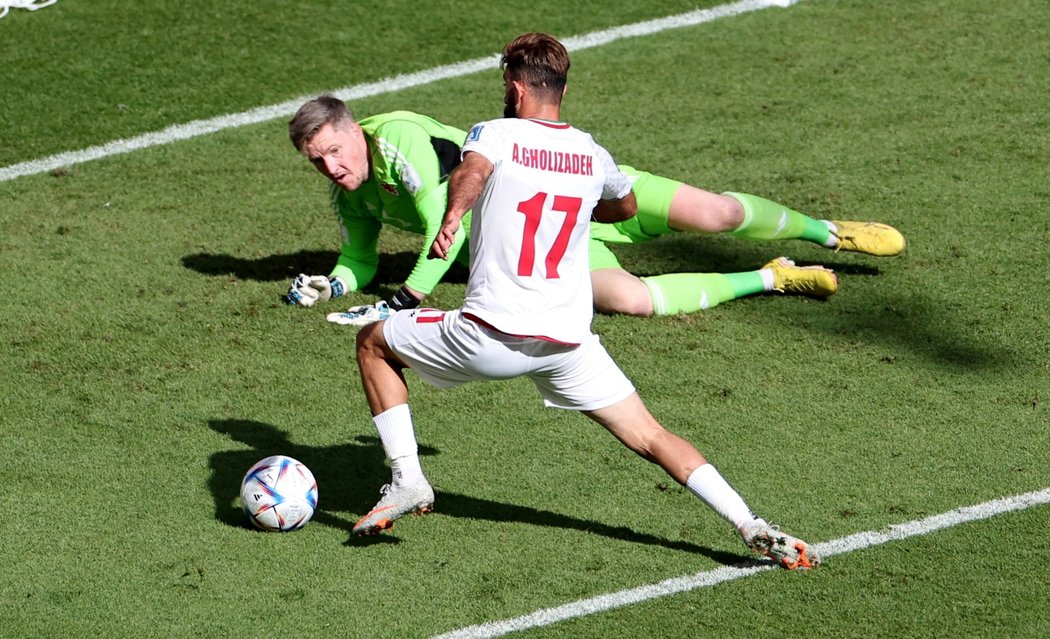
313,115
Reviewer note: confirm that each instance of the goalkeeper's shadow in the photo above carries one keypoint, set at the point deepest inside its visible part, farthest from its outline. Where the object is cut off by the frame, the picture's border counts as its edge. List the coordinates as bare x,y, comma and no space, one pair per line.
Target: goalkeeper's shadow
393,268
272,268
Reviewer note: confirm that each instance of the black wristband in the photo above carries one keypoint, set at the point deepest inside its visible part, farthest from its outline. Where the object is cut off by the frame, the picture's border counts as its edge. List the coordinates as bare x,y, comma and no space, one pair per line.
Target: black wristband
403,300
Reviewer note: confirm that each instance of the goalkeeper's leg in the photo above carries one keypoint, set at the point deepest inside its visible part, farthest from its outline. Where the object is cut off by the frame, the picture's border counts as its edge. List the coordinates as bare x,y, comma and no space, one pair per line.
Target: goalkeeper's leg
617,291
767,220
743,215
751,217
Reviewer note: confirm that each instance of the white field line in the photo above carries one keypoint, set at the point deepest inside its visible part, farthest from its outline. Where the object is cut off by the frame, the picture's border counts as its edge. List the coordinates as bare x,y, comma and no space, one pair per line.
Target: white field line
859,541
196,128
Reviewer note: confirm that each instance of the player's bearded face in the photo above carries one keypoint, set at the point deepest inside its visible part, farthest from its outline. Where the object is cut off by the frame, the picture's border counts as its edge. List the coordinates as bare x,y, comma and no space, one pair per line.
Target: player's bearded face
340,154
510,99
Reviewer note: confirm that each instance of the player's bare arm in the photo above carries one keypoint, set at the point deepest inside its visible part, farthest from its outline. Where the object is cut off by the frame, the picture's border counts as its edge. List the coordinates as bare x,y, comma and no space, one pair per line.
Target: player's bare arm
609,211
464,188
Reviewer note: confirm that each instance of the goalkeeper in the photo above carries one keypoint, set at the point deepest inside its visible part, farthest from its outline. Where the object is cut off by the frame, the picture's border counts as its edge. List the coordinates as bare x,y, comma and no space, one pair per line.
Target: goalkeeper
393,169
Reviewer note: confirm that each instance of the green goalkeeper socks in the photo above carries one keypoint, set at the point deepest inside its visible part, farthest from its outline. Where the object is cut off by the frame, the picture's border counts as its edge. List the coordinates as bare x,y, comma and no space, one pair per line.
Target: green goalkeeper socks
767,220
691,292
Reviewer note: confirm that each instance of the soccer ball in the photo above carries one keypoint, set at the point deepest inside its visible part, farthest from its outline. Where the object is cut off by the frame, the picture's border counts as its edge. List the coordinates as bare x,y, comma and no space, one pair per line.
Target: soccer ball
279,494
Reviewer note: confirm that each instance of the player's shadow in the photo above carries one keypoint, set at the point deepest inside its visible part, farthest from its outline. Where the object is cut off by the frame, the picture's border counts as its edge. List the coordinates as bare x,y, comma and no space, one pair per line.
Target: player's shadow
456,505
348,476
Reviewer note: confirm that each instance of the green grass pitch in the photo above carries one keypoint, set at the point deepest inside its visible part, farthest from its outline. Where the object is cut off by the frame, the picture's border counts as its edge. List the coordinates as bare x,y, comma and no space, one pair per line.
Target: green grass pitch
146,361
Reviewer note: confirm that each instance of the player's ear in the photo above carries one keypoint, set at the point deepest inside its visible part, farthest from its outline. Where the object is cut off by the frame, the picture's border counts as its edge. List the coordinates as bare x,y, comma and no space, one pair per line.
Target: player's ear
357,132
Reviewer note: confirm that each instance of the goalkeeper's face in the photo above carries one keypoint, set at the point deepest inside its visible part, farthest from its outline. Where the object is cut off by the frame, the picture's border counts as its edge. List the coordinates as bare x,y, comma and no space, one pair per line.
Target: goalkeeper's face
340,153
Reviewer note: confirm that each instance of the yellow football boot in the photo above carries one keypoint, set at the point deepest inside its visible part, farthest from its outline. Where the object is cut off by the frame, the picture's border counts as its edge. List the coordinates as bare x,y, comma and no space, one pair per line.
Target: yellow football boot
868,237
814,281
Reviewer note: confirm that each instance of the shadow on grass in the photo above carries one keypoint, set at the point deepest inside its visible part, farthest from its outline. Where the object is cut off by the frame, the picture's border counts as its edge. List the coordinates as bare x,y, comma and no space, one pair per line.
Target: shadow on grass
349,476
905,323
393,267
271,268
683,253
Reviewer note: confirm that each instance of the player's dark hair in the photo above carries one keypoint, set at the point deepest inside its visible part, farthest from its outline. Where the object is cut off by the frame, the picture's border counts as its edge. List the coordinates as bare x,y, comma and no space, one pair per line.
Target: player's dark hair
539,61
313,115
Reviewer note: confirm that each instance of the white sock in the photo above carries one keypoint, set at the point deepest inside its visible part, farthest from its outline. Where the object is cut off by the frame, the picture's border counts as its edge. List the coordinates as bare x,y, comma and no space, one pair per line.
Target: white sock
399,442
708,484
767,278
832,241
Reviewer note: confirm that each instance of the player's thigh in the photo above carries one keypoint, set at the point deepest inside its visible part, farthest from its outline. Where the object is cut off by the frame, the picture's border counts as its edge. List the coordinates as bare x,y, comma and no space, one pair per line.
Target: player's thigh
446,349
584,378
699,211
617,291
422,340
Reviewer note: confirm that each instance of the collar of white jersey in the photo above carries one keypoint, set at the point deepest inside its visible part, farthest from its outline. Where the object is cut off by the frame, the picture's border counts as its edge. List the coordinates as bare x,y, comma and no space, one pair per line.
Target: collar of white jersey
549,123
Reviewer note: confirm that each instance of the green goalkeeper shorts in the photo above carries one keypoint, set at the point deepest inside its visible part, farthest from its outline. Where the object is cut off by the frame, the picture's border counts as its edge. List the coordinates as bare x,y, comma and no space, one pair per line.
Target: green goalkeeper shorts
654,195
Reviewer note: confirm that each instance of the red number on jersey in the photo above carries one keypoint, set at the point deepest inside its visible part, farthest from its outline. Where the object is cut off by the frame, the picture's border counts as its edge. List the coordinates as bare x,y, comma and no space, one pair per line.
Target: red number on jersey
533,210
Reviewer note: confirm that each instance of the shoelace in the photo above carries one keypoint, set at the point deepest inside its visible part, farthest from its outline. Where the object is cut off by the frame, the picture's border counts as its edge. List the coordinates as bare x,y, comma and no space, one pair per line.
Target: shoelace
32,5
801,284
841,239
805,286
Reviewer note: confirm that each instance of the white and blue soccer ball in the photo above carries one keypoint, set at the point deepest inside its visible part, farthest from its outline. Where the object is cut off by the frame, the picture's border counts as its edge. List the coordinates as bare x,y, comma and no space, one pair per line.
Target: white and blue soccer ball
279,494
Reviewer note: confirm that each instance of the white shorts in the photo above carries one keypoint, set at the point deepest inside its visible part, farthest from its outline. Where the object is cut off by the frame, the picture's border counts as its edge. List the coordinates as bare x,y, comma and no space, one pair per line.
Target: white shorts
446,349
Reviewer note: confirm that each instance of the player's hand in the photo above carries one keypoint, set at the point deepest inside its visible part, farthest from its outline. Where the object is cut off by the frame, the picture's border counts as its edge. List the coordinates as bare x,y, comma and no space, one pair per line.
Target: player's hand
362,315
443,241
307,290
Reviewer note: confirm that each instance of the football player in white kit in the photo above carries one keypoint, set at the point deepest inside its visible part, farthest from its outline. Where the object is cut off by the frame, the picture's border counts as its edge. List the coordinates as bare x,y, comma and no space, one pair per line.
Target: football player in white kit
534,184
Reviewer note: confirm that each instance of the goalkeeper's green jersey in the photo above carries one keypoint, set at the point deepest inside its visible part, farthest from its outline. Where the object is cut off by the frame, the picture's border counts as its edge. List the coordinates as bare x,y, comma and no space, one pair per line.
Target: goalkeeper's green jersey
411,157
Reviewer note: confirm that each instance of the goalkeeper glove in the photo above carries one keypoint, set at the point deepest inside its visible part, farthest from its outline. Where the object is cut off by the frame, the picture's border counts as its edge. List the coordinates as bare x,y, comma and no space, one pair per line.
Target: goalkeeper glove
307,290
362,315
402,300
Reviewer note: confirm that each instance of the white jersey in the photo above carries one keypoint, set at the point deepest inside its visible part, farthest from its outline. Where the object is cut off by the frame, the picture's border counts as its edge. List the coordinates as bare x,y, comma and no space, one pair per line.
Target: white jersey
528,237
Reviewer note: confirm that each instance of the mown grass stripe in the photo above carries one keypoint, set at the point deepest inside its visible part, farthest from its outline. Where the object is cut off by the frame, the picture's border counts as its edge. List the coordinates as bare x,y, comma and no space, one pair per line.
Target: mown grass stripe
197,128
851,543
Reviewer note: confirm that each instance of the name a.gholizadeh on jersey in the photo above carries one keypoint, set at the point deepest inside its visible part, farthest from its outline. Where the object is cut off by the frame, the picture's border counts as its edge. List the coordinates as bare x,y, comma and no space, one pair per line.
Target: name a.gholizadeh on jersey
555,161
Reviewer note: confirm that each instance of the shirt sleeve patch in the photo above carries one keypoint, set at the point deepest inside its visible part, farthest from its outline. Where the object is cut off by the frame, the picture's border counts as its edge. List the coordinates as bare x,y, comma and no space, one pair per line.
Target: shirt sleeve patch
397,161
